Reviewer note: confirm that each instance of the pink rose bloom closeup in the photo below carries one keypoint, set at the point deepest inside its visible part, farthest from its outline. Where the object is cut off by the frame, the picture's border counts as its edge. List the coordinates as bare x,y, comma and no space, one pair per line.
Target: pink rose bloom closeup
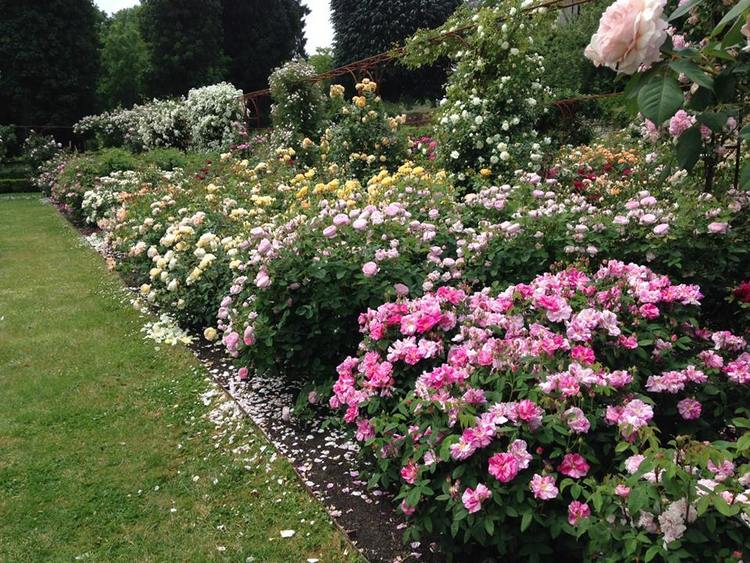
622,491
370,269
543,487
718,228
473,499
504,467
577,511
631,33
689,409
574,465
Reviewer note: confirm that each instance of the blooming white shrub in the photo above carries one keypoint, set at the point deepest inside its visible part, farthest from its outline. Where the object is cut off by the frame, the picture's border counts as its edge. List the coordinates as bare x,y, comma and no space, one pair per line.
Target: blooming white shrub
214,113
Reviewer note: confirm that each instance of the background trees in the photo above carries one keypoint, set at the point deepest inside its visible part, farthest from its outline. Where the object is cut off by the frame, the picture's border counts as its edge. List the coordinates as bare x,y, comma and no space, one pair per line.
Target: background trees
260,35
185,40
366,27
125,60
49,61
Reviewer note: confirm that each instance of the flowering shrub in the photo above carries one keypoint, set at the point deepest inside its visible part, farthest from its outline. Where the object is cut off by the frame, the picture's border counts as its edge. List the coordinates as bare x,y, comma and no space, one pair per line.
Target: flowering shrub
38,149
298,102
496,94
591,412
209,119
363,137
163,123
686,76
215,114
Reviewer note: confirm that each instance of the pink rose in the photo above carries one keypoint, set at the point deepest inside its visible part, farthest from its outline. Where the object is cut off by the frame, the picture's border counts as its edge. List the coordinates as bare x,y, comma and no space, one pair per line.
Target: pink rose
406,509
746,30
473,499
577,511
574,465
330,231
631,33
622,491
543,487
409,473
370,269
242,374
262,281
718,228
504,467
689,409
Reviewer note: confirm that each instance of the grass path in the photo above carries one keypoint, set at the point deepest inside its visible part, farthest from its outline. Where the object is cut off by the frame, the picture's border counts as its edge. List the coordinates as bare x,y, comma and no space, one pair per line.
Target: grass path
106,451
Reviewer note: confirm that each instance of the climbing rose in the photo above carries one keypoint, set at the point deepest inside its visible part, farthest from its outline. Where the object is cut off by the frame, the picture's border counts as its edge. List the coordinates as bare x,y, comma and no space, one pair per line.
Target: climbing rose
630,34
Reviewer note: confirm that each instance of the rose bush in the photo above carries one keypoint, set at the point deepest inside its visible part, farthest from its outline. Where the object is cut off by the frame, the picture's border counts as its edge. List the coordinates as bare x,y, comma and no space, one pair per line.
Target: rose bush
581,414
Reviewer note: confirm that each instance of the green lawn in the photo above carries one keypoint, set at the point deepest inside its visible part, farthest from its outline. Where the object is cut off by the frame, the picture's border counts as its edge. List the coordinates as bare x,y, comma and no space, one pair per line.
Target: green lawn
106,452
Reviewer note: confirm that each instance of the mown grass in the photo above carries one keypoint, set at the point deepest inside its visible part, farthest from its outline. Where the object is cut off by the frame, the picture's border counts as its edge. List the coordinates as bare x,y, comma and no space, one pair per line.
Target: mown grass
105,449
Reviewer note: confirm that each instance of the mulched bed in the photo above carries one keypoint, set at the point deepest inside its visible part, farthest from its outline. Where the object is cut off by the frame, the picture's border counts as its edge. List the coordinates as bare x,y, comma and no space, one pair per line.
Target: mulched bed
325,459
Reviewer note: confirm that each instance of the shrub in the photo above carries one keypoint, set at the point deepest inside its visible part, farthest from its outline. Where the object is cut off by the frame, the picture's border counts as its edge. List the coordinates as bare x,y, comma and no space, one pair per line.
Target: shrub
298,103
163,123
215,114
590,412
39,148
363,137
496,94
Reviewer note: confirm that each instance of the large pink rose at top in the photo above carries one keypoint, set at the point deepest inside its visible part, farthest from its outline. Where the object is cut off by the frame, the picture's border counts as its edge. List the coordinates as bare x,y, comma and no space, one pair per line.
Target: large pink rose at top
630,34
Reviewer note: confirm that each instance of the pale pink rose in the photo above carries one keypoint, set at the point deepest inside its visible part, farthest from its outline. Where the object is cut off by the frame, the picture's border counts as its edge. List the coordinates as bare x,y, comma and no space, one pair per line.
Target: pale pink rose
370,269
262,281
746,31
718,228
630,34
543,487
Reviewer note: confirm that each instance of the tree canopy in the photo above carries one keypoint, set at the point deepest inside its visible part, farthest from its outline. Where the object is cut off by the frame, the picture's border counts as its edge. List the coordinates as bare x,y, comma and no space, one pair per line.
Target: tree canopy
261,35
366,27
185,41
49,61
125,60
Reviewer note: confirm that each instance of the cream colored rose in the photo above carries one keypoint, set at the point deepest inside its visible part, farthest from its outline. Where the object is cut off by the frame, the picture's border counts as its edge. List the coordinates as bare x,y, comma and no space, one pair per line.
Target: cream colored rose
630,34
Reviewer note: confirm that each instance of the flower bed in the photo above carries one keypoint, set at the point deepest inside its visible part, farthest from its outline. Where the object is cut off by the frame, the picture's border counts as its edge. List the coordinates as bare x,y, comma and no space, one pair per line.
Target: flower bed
573,406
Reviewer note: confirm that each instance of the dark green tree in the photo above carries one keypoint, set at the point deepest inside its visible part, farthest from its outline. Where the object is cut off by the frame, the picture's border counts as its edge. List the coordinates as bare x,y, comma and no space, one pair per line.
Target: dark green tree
185,43
49,61
261,35
366,27
125,60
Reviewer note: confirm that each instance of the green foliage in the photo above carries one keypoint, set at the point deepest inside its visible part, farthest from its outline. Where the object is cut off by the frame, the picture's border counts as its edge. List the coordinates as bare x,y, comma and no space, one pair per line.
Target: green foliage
125,60
298,103
366,27
49,61
323,60
185,41
260,35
